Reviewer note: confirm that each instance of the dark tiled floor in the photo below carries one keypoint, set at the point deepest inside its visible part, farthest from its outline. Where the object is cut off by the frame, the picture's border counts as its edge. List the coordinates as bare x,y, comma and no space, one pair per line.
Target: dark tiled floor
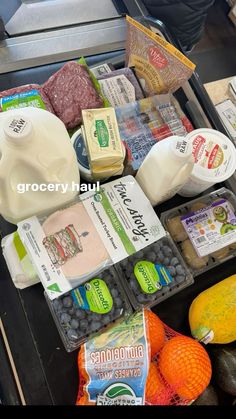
215,54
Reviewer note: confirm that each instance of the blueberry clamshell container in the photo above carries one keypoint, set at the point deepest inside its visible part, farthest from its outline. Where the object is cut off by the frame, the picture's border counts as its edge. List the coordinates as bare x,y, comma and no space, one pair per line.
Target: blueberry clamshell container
76,325
153,253
208,199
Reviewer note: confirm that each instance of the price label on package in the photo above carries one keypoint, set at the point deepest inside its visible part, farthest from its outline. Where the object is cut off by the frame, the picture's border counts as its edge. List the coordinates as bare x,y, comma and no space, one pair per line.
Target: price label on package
211,228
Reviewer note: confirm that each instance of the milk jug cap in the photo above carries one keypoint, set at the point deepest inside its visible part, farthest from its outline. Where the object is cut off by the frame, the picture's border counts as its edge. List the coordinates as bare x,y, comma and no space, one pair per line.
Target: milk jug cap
17,128
181,147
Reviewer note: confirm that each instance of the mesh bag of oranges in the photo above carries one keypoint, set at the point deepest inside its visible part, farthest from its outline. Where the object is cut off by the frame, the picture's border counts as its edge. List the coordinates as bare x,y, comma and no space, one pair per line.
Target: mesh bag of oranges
142,361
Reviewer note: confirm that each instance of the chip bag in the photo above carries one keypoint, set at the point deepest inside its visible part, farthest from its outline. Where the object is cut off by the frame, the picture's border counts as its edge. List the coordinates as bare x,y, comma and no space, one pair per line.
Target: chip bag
160,67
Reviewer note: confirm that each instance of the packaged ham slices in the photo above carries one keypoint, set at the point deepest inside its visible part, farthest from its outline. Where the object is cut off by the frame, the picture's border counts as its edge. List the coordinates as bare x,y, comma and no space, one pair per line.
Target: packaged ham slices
160,67
70,90
24,96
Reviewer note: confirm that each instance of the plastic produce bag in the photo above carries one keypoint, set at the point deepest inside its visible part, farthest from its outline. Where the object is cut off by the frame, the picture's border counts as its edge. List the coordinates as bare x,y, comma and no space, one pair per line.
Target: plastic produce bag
160,67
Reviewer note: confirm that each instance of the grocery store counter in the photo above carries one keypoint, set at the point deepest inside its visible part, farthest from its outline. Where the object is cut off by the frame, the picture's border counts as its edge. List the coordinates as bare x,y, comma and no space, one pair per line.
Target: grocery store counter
47,373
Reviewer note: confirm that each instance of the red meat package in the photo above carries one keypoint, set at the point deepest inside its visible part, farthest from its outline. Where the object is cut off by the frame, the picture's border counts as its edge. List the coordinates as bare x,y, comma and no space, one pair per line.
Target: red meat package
24,96
70,90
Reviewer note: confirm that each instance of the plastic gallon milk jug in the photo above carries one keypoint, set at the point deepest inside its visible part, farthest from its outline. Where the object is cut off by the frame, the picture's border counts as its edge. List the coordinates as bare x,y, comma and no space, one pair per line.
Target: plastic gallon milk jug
165,169
37,164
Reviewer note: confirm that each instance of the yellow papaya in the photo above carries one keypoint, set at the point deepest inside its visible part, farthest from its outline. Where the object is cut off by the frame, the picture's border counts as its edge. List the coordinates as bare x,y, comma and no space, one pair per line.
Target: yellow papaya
212,315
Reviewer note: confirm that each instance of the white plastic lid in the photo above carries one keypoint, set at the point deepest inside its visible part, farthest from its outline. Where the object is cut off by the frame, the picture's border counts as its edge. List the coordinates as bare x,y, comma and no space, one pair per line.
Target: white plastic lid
214,155
17,128
180,147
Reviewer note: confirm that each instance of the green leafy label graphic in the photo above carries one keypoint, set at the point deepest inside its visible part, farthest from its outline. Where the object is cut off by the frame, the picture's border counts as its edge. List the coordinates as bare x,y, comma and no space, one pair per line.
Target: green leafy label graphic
147,276
98,296
118,390
102,133
54,287
116,224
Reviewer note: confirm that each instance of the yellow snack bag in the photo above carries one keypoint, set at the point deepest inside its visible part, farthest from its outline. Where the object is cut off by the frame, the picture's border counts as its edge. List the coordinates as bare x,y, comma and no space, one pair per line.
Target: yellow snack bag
160,67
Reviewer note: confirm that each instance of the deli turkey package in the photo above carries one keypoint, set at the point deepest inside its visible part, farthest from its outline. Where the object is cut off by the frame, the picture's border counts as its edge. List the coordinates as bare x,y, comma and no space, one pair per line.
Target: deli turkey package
160,67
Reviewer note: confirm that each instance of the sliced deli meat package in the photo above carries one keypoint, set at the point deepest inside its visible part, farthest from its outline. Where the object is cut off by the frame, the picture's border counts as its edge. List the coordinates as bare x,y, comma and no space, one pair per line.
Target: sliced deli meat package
160,67
70,90
24,96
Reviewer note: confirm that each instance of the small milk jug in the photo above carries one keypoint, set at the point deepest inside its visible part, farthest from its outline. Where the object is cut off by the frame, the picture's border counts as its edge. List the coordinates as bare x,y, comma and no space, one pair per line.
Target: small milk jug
165,169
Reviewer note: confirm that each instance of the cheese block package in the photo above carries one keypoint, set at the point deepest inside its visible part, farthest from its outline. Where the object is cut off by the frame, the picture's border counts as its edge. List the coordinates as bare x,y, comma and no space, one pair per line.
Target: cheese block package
160,67
98,229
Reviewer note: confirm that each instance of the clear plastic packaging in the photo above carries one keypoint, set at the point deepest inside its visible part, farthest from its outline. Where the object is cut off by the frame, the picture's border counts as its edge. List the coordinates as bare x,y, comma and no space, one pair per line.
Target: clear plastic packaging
75,324
154,273
18,262
172,223
95,231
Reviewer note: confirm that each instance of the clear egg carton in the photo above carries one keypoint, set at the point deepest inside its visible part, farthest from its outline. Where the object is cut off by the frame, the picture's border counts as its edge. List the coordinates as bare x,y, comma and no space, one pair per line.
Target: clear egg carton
76,324
172,223
154,274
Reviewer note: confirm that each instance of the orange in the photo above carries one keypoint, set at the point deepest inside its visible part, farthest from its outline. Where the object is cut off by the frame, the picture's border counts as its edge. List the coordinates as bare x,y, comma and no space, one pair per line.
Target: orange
156,392
155,332
186,366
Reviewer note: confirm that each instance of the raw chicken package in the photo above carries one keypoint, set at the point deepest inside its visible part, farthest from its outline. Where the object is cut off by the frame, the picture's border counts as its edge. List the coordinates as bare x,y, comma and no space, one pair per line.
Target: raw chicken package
160,67
24,96
70,90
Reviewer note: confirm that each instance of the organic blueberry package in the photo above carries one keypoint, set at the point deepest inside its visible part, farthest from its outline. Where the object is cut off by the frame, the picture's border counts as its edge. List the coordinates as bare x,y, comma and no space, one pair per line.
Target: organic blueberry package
154,273
89,308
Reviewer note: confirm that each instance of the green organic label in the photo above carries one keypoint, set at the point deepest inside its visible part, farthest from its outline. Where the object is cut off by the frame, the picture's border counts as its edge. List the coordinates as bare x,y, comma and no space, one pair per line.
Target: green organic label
94,296
102,133
147,276
116,224
23,99
20,249
54,287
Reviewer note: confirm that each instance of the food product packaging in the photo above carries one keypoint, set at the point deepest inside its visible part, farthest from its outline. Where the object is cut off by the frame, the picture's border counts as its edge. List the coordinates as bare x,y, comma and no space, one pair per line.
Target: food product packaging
37,158
24,96
78,142
89,309
18,262
160,67
94,232
215,160
103,142
121,87
141,361
70,90
145,122
170,163
204,229
154,274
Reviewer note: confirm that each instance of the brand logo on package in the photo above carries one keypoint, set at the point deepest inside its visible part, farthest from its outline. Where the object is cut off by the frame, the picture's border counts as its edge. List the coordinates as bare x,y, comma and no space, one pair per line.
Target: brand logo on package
156,58
119,394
